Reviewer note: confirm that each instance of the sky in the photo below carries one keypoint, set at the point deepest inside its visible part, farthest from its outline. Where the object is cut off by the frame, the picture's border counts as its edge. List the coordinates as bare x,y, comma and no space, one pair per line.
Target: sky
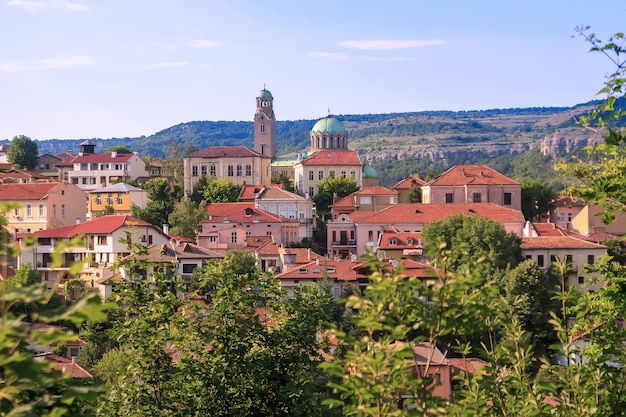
82,69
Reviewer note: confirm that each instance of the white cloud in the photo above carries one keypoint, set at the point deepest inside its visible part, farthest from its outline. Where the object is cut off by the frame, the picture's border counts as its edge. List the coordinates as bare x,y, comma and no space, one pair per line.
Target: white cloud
59,61
202,43
40,5
390,44
334,56
169,64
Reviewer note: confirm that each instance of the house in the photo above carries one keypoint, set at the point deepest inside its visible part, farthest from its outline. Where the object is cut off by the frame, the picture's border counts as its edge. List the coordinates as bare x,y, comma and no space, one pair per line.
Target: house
234,163
547,250
230,223
366,199
405,187
271,257
89,170
68,367
310,171
473,184
119,198
356,232
47,164
43,205
288,205
12,175
401,245
577,216
105,240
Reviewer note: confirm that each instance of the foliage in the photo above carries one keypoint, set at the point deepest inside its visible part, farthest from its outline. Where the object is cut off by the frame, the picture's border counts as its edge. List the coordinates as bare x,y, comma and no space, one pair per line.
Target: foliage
173,166
185,220
160,202
415,196
197,194
536,196
23,152
284,180
117,148
218,190
332,186
473,242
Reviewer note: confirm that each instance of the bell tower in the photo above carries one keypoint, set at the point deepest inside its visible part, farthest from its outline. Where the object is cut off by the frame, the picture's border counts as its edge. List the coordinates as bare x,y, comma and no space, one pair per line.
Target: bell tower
265,124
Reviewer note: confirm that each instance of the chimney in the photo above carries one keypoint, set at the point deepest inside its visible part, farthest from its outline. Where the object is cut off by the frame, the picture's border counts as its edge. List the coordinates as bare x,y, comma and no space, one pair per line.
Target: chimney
166,229
114,154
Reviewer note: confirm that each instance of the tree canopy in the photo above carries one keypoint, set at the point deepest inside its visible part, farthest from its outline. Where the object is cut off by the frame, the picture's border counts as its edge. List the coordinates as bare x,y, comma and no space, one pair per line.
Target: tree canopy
160,202
218,190
23,152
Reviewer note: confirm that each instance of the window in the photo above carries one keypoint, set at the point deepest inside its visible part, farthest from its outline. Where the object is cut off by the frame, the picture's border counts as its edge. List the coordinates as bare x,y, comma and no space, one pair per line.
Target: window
188,268
552,258
99,199
233,237
311,175
212,170
102,240
476,197
370,235
231,171
540,261
569,258
262,128
62,210
302,270
248,170
54,210
110,199
84,180
29,210
194,171
269,233
393,241
41,210
343,173
16,212
311,191
507,199
590,259
581,280
320,174
119,198
92,181
449,198
239,170
203,170
331,173
212,239
353,174
149,239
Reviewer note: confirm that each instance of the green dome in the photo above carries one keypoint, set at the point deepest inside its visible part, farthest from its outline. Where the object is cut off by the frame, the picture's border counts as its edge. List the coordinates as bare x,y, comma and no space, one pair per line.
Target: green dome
329,125
264,94
369,172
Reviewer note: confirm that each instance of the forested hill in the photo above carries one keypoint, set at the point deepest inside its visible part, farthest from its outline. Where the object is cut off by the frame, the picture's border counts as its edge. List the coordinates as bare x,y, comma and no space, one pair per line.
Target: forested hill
397,144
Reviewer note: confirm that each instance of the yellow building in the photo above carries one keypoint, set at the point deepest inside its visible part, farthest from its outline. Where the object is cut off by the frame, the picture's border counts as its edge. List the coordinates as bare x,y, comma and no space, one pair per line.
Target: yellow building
115,199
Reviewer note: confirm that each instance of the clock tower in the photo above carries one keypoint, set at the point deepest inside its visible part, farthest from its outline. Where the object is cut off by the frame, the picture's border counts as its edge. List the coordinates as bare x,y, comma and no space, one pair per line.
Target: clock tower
265,124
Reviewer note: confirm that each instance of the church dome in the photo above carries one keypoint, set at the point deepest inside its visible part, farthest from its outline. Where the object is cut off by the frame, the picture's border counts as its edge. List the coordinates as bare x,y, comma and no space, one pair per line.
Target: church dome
369,172
328,125
264,94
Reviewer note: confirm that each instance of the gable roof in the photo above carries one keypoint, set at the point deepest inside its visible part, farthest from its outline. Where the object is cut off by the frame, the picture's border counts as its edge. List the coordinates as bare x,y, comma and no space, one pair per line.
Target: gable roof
97,158
427,213
275,193
174,252
101,225
333,157
225,152
402,240
408,183
223,209
471,174
28,191
120,187
558,242
248,215
375,190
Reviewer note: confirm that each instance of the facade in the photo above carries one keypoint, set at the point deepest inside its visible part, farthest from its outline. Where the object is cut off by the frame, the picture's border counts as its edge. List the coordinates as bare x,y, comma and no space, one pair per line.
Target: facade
231,223
365,199
104,243
235,163
405,186
326,163
356,232
288,205
89,170
401,245
273,258
547,250
577,216
43,205
473,184
120,197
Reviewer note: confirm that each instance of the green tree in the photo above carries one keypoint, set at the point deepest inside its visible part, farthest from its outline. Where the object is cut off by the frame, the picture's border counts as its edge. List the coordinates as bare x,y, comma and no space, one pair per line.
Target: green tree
118,149
415,196
160,202
185,220
473,242
332,186
536,196
173,166
218,190
23,152
284,180
197,194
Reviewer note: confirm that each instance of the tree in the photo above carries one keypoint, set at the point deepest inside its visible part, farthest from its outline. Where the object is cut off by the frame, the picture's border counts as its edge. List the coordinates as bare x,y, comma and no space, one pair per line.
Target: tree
473,242
197,194
330,187
536,196
117,148
160,202
185,220
173,166
284,180
218,190
23,152
415,196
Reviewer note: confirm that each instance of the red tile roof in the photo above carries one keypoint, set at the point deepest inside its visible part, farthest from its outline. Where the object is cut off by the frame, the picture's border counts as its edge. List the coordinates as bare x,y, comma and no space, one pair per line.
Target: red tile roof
278,193
408,183
469,366
224,209
249,215
471,174
427,213
567,201
225,152
29,191
548,229
333,157
103,225
402,240
66,366
96,158
558,242
376,190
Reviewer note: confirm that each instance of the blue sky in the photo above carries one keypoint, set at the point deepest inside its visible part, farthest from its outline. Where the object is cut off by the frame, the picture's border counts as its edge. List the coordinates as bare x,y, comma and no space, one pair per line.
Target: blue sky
111,68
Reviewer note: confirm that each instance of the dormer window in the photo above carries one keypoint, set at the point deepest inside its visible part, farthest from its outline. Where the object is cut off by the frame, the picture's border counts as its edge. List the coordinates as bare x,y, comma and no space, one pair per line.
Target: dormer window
393,241
409,241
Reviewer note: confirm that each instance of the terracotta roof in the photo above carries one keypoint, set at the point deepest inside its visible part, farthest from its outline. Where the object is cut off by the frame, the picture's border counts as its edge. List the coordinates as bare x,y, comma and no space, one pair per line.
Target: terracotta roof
427,213
469,366
29,191
225,152
67,366
548,229
303,255
408,183
104,225
402,240
278,193
377,190
223,209
558,242
255,242
346,201
333,157
65,155
471,174
97,158
566,201
172,253
249,215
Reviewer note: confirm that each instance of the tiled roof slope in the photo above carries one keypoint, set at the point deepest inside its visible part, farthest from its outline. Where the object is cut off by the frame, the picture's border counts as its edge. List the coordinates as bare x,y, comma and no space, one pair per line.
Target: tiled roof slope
26,191
558,242
104,225
96,158
333,157
426,213
471,174
407,183
225,152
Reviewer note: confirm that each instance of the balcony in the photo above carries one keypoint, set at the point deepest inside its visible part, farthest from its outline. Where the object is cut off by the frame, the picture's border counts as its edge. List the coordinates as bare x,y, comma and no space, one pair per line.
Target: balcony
346,242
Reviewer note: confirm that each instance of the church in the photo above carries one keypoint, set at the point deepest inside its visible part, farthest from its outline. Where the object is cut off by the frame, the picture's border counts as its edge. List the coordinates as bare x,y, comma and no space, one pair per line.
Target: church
328,155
